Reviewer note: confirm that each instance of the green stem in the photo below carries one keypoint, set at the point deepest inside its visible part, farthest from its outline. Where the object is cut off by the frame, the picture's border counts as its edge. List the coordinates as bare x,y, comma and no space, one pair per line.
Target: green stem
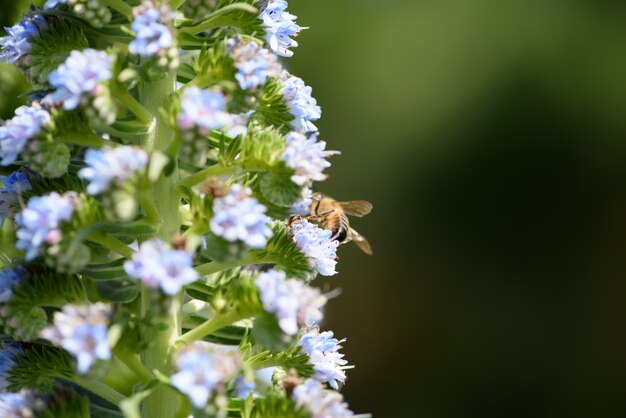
99,388
219,170
121,7
140,111
84,139
217,266
134,363
112,243
152,211
217,322
163,402
219,18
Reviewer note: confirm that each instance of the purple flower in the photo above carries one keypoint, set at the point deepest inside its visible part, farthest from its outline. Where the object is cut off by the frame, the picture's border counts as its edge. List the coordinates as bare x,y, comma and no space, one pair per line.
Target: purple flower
293,302
152,35
82,330
40,222
254,64
114,165
307,157
320,403
279,27
316,244
202,109
15,47
79,77
239,216
28,122
203,370
160,267
301,104
323,349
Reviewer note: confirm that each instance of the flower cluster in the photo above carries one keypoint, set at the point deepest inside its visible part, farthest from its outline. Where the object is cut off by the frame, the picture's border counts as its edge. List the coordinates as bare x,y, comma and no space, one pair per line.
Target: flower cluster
23,404
15,47
153,34
203,110
316,244
82,330
293,302
307,156
323,349
301,104
79,78
239,216
113,165
254,63
203,370
160,267
27,124
279,27
40,222
320,403
10,193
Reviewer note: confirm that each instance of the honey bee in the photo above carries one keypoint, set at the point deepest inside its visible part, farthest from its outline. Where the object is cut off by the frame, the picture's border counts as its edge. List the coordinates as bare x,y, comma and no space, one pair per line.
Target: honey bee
331,214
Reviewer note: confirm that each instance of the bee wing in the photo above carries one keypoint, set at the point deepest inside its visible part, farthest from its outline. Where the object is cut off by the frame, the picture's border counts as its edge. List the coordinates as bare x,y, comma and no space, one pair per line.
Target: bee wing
361,242
356,207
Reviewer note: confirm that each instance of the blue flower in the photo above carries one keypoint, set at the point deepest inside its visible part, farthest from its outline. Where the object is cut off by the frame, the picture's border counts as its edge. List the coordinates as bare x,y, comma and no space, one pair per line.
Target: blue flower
152,36
114,165
80,76
51,4
40,222
202,371
239,216
203,110
243,388
160,267
82,330
22,404
9,278
320,403
316,244
293,302
302,207
28,122
8,351
307,157
13,186
254,64
301,104
279,27
15,47
323,349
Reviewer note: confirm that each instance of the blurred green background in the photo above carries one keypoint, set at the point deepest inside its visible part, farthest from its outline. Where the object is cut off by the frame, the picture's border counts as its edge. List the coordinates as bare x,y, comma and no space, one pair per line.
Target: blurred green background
491,138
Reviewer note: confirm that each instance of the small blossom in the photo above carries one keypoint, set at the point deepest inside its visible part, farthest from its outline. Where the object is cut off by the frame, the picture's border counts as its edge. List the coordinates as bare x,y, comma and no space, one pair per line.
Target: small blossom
15,47
320,403
160,267
28,122
202,109
239,216
82,330
238,124
279,27
301,104
153,34
14,186
203,370
254,63
303,206
316,244
80,77
8,352
114,165
40,222
9,278
323,349
293,302
307,156
23,404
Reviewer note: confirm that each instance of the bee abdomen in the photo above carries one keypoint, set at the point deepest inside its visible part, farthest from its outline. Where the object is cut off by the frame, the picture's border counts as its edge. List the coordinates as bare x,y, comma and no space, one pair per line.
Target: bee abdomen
342,232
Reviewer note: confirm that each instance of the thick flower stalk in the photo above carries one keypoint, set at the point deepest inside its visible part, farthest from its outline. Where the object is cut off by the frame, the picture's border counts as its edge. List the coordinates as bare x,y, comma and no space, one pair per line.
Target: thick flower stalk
160,237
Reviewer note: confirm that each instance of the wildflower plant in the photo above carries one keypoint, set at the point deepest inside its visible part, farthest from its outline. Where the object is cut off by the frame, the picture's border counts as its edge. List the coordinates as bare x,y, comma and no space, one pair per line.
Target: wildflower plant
157,259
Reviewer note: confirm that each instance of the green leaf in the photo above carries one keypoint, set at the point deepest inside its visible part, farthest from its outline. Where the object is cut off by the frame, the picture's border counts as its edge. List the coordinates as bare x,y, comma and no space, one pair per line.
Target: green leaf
119,291
268,334
277,187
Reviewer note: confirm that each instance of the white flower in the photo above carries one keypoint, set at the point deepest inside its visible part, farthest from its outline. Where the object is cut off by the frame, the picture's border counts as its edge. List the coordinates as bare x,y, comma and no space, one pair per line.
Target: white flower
320,403
307,156
114,165
316,244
